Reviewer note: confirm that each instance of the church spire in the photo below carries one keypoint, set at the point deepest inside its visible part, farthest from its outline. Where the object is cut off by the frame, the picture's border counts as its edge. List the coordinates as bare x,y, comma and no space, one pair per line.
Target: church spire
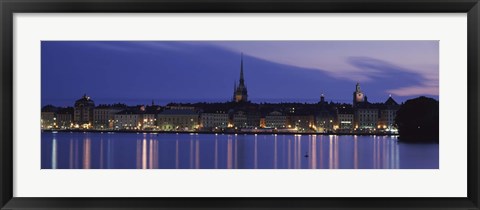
241,71
240,92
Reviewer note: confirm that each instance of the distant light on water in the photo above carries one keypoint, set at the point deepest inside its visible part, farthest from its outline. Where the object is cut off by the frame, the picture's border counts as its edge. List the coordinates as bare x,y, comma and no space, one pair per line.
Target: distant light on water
54,153
210,151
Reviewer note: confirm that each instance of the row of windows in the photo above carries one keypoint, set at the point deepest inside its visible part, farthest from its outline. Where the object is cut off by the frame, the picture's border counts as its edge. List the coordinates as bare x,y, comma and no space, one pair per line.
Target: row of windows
214,118
275,121
216,115
177,119
275,118
127,121
214,124
126,117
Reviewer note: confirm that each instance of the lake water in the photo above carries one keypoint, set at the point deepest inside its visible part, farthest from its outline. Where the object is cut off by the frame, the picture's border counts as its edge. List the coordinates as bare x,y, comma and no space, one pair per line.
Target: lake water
66,150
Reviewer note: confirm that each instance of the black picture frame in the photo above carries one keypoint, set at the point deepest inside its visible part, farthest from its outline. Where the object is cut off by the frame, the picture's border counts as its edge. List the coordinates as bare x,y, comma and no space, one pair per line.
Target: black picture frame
9,7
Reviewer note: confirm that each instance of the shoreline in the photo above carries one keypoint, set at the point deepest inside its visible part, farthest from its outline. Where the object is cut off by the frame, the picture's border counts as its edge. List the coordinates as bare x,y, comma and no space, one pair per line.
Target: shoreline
213,132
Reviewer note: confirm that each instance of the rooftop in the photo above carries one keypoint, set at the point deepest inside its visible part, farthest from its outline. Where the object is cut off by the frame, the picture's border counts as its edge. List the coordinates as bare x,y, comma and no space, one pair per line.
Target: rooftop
178,112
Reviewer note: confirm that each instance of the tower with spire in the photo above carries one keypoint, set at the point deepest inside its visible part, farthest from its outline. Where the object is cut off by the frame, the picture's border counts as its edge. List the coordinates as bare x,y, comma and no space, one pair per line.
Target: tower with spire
240,93
358,95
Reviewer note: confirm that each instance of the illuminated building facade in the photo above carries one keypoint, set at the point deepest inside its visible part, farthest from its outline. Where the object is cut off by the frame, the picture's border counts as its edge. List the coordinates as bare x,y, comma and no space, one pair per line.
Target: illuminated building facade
128,120
178,120
64,118
104,115
217,119
149,120
345,122
321,117
366,118
388,114
301,122
240,119
48,117
324,117
275,119
83,112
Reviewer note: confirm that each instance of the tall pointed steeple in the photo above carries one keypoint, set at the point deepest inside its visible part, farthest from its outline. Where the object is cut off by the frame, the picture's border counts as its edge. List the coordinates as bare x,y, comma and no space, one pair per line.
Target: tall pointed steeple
240,91
241,71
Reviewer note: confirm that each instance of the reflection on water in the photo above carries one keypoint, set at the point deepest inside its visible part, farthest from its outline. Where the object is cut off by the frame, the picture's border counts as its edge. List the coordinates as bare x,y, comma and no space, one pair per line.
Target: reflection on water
219,151
54,153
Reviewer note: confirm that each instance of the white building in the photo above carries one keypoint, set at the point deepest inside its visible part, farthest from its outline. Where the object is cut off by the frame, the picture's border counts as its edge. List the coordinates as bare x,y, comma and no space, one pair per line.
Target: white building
240,119
178,120
104,116
214,120
149,121
275,119
366,118
128,120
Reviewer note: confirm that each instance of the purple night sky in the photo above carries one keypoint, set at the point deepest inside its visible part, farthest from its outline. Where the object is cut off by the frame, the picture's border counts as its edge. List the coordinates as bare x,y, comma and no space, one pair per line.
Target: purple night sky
137,72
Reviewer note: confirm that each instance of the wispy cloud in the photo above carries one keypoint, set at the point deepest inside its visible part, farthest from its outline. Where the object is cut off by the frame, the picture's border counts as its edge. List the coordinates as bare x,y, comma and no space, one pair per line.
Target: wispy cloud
408,82
415,90
388,63
334,57
400,65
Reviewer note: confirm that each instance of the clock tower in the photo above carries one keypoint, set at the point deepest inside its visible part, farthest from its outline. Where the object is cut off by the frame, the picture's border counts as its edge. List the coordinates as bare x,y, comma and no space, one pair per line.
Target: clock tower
358,95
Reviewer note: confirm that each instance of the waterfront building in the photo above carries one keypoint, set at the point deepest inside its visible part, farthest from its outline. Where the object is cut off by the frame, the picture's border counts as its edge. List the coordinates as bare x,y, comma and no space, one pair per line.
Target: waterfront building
64,118
48,117
345,118
275,120
240,93
366,117
149,116
324,117
366,114
104,115
178,120
388,114
128,120
301,122
149,121
83,112
240,119
253,119
263,123
324,122
214,120
180,107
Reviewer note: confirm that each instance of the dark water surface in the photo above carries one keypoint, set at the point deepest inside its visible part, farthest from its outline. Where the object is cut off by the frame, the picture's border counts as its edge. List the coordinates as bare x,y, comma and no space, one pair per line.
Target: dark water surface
227,151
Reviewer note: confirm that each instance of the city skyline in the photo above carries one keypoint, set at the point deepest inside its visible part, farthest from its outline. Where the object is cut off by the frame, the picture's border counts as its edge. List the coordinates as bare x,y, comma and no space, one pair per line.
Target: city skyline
139,72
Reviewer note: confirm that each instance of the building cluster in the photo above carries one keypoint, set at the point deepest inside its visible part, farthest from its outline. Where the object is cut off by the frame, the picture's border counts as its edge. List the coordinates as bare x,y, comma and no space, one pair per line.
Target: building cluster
238,115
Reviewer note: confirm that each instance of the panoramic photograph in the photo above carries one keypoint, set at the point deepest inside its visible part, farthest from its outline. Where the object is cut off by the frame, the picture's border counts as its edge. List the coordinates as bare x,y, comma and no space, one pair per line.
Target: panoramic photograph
299,104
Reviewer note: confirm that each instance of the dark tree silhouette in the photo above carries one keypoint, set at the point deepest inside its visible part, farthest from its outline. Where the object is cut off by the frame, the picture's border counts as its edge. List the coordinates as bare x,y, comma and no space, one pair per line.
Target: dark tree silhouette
418,120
